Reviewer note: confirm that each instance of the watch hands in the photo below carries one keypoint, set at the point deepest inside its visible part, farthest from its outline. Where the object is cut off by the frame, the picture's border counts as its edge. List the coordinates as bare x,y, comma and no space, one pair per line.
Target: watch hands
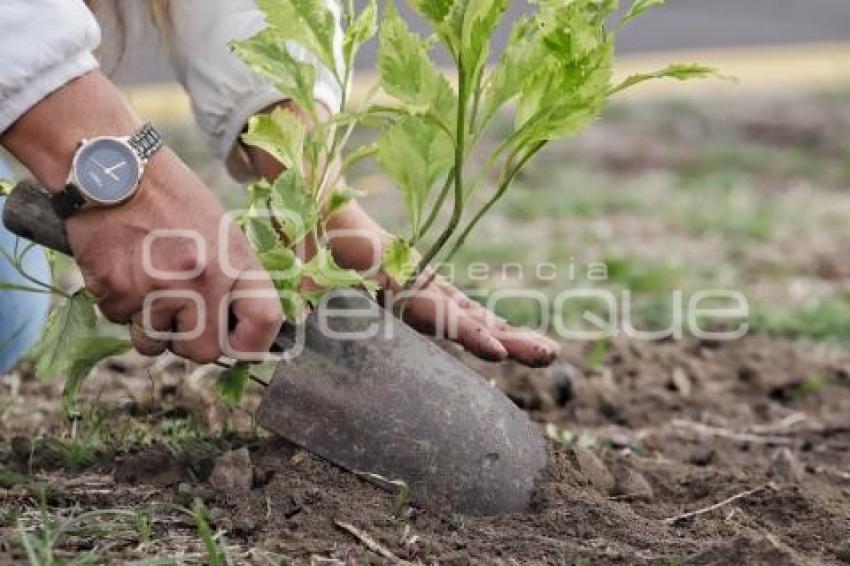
110,170
106,171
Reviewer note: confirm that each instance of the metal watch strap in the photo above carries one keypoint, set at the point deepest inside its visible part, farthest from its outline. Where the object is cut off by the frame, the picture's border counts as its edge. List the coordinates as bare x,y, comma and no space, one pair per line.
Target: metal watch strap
146,142
67,202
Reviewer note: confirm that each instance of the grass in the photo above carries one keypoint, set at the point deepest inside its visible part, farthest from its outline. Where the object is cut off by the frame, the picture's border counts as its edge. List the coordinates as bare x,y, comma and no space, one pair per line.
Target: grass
40,538
827,319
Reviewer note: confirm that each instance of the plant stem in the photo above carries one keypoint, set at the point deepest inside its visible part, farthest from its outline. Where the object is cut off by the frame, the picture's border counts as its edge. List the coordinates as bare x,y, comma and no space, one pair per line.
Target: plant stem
430,116
503,187
457,210
253,377
476,102
435,210
22,272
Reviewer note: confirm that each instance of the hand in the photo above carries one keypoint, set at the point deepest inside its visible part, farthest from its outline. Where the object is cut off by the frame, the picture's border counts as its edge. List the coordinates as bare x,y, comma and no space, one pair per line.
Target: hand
108,243
476,329
108,247
442,306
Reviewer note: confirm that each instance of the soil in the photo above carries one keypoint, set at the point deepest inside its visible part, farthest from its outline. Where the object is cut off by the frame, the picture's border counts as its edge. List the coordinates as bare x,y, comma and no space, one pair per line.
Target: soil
659,430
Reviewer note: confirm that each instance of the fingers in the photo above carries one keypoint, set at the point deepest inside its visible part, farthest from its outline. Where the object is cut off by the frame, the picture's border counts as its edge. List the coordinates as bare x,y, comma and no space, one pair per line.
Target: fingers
480,331
476,337
113,297
258,318
202,327
432,311
145,344
198,328
525,346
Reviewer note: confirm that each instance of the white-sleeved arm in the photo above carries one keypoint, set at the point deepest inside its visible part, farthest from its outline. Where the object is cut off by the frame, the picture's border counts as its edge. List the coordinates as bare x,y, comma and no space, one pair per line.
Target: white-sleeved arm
44,44
225,93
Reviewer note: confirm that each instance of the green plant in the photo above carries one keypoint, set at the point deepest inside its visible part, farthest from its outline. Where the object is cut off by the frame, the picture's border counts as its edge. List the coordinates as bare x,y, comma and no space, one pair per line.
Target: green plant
810,385
554,75
214,542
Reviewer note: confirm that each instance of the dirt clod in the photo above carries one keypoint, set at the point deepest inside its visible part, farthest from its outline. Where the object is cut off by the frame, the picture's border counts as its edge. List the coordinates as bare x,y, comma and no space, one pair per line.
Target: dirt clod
233,472
153,465
631,484
763,550
593,469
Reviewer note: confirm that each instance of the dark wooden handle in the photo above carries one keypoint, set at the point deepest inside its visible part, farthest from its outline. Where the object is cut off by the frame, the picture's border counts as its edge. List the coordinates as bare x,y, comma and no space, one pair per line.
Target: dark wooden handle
29,214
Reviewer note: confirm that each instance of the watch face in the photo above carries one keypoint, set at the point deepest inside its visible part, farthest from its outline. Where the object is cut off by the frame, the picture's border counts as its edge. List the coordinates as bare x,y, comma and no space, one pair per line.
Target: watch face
107,170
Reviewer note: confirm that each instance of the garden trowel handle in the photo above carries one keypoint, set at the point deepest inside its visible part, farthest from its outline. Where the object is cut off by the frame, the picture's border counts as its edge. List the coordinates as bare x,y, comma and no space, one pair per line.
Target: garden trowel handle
29,214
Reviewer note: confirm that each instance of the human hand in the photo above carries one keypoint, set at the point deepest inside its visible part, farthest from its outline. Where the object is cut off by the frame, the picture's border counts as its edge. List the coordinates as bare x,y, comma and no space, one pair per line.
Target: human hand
192,284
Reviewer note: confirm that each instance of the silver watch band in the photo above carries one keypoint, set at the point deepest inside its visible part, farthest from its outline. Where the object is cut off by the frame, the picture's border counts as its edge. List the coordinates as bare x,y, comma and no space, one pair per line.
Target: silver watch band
146,142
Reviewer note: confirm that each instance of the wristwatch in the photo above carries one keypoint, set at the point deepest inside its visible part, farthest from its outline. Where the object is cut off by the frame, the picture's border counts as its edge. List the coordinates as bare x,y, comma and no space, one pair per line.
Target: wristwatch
106,171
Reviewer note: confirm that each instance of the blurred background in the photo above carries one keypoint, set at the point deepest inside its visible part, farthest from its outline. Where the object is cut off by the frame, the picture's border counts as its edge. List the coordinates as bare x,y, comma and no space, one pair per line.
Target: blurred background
682,24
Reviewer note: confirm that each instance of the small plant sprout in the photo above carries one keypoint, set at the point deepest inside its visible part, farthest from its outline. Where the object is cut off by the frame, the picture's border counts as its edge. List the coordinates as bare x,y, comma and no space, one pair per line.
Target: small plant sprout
558,434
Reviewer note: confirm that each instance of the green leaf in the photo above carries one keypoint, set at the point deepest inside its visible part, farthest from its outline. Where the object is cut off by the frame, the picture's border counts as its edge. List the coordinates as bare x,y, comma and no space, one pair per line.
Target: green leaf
362,29
326,274
524,58
6,187
569,86
293,206
286,271
480,20
678,71
341,198
435,11
231,383
266,54
638,8
415,154
308,23
53,352
260,233
87,352
407,72
284,267
285,262
400,260
280,134
259,193
559,62
359,154
255,220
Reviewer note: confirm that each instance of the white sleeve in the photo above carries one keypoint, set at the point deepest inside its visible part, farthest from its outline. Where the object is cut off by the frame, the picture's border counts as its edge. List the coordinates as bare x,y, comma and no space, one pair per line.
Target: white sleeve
45,44
225,93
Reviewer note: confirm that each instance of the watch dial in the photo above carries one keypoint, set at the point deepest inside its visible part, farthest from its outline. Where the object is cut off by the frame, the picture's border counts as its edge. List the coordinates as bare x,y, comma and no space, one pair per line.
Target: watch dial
107,170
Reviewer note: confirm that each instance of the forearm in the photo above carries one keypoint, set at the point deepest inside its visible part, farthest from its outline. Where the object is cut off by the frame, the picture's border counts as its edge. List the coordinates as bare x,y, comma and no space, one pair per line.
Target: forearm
46,137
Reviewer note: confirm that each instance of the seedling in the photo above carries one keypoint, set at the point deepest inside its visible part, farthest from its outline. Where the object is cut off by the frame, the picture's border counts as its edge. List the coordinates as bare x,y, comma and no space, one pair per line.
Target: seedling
555,76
